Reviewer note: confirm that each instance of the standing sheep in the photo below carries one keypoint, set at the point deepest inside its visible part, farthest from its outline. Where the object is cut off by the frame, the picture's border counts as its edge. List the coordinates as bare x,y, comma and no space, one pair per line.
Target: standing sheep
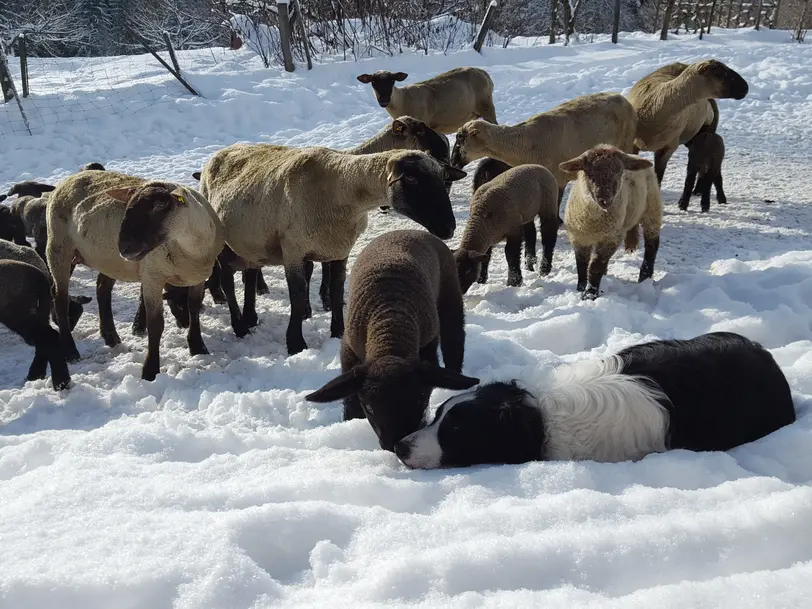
444,102
505,209
614,194
131,229
675,102
404,301
294,206
11,226
706,152
551,137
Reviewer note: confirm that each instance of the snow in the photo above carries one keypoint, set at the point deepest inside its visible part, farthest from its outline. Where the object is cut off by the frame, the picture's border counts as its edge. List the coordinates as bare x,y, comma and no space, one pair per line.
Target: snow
218,486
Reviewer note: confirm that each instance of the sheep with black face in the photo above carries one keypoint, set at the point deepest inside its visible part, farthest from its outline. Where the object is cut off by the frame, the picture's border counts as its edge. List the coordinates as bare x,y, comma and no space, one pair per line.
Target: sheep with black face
404,302
131,229
296,206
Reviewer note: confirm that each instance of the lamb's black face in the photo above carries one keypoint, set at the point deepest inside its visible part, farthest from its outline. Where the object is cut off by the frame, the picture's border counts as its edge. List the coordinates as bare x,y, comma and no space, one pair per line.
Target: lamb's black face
12,227
496,423
178,301
147,219
417,190
382,83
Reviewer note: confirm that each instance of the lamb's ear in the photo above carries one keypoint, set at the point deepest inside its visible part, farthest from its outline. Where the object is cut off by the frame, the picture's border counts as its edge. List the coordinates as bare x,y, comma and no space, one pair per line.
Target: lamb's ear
179,195
82,300
573,165
452,173
196,175
121,194
340,387
444,378
476,257
364,78
398,127
635,163
420,128
473,132
400,76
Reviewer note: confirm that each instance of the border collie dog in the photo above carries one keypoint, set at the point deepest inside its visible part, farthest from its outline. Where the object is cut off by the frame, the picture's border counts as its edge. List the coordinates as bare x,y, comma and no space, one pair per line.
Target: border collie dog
712,392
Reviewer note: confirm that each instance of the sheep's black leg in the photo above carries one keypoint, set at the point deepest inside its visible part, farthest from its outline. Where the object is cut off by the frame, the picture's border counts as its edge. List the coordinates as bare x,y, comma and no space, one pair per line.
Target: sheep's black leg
720,191
513,253
429,353
324,288
560,198
227,282
661,158
549,237
60,376
690,179
193,336
249,307
262,287
104,294
530,259
214,286
39,366
352,405
451,313
297,291
597,269
308,276
60,264
705,183
649,256
582,255
140,321
153,301
338,274
483,267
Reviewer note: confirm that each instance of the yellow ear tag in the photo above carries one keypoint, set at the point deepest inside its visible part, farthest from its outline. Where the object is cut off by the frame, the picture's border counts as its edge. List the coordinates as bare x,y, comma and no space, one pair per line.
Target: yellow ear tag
181,199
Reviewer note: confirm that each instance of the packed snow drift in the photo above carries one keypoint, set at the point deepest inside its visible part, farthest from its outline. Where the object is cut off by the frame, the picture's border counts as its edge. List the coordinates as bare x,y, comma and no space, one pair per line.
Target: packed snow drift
217,486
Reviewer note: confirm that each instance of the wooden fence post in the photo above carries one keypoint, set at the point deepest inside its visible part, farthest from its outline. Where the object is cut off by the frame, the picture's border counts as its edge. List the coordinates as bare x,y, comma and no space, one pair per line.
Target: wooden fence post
486,23
666,19
710,16
6,84
299,19
553,19
169,68
22,51
285,34
616,22
800,35
758,14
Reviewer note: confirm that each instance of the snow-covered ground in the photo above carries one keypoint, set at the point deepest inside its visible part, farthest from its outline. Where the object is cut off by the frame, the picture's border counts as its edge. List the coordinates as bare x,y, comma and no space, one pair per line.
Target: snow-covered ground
218,486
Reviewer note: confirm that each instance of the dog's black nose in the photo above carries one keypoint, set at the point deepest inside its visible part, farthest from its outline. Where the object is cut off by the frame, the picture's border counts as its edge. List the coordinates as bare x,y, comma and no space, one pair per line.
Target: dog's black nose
402,450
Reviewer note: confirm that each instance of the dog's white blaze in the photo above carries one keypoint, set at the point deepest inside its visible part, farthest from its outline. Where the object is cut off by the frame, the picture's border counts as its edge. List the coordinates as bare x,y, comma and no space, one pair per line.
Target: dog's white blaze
593,411
426,452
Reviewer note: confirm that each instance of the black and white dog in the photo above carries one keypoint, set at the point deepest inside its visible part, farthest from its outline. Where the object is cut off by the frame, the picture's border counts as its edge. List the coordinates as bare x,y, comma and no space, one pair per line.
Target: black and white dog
712,392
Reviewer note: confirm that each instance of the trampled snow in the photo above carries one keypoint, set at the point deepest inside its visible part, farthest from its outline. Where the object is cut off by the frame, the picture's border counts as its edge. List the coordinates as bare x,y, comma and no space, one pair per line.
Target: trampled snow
218,486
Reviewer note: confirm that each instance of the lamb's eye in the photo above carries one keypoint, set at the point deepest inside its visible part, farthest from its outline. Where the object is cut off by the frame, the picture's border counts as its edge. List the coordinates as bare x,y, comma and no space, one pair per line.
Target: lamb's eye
410,179
160,204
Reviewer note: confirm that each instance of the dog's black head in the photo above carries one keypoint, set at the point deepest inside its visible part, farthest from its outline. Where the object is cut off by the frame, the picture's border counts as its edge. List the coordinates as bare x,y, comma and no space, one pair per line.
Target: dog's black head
496,423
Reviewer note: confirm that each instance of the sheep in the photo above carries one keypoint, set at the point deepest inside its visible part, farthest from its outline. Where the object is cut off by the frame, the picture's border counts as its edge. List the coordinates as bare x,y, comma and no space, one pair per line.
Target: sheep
613,195
551,137
404,133
25,306
706,152
19,253
295,206
505,208
31,211
486,171
11,227
444,102
676,102
404,301
93,166
30,189
131,229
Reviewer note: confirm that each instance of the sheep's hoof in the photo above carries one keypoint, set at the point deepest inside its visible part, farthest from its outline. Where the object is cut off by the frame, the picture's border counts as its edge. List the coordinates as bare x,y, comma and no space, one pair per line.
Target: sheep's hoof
240,329
61,385
250,319
645,273
704,209
530,263
139,330
514,280
262,288
72,355
590,293
683,205
721,199
149,370
296,345
219,296
36,375
326,306
545,267
581,286
336,331
111,339
198,349
308,312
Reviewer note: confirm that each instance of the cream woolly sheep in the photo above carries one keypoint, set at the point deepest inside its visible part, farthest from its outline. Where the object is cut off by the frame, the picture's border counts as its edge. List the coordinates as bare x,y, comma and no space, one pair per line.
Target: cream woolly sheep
294,206
404,301
444,102
505,209
675,102
551,137
614,194
131,229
